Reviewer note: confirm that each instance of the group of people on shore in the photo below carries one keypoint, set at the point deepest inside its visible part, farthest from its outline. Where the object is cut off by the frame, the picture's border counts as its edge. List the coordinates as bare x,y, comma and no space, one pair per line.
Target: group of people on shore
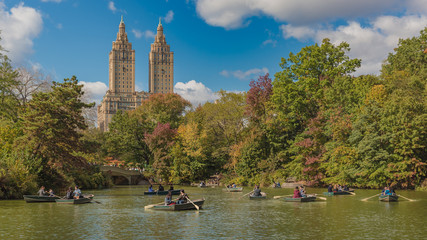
70,194
337,188
299,192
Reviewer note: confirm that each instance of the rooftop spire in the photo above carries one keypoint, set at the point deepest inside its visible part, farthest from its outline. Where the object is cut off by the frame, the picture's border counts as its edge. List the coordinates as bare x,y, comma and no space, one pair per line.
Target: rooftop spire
122,20
160,21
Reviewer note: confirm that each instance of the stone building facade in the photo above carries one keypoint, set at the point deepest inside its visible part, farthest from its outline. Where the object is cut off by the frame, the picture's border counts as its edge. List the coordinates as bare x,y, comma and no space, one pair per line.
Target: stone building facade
121,94
160,76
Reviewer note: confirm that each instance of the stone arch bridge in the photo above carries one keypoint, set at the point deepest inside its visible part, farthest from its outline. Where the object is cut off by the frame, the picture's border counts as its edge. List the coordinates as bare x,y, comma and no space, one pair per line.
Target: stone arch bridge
121,176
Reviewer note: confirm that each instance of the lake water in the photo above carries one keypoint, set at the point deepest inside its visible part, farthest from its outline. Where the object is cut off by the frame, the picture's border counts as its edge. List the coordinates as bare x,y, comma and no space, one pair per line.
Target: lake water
120,214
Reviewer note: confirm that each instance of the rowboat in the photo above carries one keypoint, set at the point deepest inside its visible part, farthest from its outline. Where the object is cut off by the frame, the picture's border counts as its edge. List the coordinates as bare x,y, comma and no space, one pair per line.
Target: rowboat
388,198
303,199
174,192
86,199
177,207
37,198
253,197
236,189
339,193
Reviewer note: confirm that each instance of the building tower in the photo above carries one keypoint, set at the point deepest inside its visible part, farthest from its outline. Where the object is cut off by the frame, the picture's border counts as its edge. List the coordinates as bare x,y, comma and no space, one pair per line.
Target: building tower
121,94
122,63
160,74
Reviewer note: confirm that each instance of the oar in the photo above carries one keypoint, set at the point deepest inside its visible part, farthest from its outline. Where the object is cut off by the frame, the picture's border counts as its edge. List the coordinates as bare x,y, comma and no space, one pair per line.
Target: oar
411,200
352,193
321,198
371,197
152,205
247,193
197,207
276,197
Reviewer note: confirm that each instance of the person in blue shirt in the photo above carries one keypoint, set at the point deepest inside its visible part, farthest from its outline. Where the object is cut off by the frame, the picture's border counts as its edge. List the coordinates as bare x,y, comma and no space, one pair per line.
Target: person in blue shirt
330,188
150,188
77,193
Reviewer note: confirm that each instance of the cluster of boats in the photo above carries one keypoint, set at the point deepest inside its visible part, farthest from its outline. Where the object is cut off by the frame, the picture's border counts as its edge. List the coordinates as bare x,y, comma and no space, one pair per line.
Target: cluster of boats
37,198
197,204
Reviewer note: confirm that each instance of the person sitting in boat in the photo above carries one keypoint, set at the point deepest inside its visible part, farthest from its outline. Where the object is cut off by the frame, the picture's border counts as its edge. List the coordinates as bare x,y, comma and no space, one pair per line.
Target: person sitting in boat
150,188
233,185
168,198
228,186
345,188
392,192
339,188
383,191
257,191
69,194
182,197
202,184
161,188
51,193
302,191
77,193
171,188
297,193
387,191
330,188
42,192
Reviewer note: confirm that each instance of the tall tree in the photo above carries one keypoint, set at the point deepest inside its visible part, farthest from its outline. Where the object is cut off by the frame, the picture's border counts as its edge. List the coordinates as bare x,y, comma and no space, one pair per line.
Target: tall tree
52,122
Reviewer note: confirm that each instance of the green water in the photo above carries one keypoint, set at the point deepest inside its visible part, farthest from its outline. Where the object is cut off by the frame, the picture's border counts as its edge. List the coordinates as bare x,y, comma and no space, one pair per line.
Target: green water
120,214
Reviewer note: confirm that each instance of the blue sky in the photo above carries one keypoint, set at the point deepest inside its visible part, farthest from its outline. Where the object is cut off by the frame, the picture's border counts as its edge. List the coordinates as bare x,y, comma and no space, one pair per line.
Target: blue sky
217,44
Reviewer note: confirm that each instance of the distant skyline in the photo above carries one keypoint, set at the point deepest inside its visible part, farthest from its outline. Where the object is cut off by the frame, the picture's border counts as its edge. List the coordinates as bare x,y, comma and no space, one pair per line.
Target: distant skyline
217,44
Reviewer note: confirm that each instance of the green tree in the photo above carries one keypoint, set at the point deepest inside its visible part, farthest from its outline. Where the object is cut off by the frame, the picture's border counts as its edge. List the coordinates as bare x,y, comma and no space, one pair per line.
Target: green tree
52,122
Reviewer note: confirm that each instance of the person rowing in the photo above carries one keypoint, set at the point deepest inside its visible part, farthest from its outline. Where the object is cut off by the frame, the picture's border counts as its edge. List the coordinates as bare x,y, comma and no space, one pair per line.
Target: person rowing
297,193
257,191
182,197
150,188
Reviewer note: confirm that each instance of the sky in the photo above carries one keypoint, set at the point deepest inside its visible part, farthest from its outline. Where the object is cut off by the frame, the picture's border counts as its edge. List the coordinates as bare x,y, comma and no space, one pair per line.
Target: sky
217,44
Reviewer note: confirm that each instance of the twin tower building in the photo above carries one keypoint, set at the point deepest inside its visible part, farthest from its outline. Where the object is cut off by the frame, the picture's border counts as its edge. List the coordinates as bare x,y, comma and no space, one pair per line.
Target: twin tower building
121,94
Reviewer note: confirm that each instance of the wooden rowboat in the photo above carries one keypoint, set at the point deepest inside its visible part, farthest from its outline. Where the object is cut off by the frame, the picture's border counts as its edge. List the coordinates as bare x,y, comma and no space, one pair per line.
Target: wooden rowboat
236,189
339,193
253,197
75,201
37,198
174,192
303,199
389,198
177,207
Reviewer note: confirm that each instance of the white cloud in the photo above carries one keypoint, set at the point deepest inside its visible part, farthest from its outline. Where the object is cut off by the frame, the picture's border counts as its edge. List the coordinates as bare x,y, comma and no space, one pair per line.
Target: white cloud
137,33
300,32
169,16
370,43
147,34
56,1
235,14
111,6
195,92
246,74
94,91
18,28
59,26
270,41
